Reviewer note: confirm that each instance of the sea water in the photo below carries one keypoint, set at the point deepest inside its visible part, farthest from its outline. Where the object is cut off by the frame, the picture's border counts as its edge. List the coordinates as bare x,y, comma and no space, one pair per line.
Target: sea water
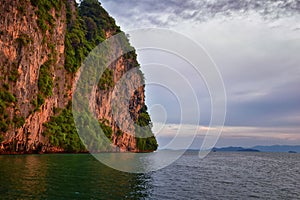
227,175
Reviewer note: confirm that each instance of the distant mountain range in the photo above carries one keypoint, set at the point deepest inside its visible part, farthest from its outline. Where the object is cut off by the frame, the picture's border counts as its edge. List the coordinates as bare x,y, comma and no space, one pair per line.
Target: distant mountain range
274,148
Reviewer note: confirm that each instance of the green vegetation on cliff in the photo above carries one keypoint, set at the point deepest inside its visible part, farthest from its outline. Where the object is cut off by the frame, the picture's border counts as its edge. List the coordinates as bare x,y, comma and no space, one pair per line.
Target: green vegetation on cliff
6,100
75,42
146,141
61,132
97,20
106,81
45,20
45,82
107,130
85,31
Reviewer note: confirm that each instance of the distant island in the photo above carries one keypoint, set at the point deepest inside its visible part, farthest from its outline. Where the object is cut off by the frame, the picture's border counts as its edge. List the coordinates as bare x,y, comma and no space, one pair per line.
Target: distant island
234,149
273,148
278,148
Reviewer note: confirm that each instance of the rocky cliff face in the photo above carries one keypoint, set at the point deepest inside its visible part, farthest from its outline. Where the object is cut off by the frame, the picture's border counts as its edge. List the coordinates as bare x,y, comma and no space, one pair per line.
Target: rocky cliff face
42,45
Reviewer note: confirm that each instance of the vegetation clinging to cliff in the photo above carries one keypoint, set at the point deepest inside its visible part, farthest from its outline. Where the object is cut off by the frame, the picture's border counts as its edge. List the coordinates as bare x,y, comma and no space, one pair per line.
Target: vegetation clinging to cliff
106,81
93,14
45,82
85,31
75,41
6,99
61,132
146,141
45,20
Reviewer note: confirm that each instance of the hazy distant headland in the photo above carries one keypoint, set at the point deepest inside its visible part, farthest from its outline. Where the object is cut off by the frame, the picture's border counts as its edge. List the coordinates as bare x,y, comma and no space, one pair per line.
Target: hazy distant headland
273,148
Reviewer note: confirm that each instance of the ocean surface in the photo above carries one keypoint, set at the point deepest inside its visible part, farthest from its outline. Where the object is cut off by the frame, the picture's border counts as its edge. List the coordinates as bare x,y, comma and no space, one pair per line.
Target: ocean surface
221,175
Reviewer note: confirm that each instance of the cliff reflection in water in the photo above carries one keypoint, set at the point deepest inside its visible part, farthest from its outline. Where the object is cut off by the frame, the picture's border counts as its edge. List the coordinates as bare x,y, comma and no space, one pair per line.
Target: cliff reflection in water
67,177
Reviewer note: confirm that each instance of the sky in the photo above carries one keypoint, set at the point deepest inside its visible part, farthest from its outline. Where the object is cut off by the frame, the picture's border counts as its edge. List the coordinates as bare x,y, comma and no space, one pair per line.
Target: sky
255,46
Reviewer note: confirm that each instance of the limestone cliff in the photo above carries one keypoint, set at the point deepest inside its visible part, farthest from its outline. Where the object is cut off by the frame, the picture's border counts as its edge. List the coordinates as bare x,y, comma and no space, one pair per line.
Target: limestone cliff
42,46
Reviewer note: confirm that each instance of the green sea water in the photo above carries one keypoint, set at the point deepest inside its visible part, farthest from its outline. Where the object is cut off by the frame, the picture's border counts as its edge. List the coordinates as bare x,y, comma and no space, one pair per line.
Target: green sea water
65,176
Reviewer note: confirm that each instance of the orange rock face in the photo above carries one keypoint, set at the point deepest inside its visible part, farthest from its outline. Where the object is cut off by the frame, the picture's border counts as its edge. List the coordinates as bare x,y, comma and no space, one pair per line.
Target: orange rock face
24,48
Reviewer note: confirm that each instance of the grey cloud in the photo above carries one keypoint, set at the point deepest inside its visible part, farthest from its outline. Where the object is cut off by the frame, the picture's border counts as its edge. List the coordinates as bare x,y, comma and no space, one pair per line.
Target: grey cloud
194,10
279,108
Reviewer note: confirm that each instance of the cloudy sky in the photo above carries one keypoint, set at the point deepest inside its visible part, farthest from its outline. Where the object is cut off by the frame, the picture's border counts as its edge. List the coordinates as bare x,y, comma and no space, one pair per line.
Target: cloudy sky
255,45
